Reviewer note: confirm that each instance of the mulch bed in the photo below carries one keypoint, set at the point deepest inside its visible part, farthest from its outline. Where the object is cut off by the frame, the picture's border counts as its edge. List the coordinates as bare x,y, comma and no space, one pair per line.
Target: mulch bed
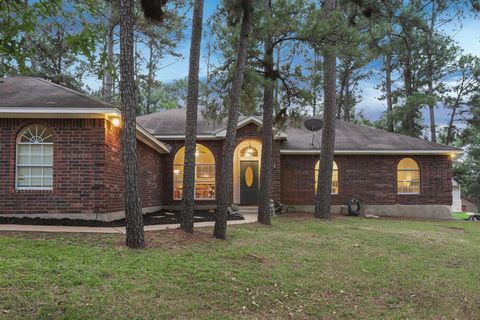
160,217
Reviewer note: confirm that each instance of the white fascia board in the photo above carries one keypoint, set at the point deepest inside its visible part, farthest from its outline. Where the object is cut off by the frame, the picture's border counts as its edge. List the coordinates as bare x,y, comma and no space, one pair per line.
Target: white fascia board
57,112
182,137
374,152
151,141
82,113
207,137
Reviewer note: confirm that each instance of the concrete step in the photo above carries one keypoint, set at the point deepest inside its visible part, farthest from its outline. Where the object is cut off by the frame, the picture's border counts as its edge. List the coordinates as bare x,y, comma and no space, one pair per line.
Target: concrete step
248,209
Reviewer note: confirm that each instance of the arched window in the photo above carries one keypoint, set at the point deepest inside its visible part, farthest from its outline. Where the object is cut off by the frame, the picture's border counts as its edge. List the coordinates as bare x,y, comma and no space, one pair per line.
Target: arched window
34,167
334,177
204,173
408,176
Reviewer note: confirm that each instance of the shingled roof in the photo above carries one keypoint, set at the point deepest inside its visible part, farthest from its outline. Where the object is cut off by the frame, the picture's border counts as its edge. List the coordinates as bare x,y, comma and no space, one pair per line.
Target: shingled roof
349,137
172,123
27,97
39,93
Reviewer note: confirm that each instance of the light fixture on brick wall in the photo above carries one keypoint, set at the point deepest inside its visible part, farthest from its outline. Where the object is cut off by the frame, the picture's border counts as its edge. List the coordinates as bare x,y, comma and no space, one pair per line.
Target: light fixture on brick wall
116,122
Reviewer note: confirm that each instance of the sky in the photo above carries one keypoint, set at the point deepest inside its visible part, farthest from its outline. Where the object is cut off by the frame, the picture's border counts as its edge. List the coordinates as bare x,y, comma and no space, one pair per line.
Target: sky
467,35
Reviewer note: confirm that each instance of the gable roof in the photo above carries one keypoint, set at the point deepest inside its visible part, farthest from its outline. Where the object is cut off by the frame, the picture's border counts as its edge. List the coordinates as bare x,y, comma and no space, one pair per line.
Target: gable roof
296,139
170,124
28,97
39,93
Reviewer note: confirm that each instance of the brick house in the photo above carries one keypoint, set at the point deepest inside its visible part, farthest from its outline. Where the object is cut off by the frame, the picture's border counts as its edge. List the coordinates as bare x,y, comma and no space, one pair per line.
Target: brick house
60,156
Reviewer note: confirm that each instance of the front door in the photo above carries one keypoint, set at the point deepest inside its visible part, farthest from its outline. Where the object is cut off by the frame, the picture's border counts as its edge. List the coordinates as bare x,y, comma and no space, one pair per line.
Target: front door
248,182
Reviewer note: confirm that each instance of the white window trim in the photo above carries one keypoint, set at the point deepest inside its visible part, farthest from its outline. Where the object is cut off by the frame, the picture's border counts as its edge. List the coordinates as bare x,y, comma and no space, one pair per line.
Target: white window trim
409,169
17,165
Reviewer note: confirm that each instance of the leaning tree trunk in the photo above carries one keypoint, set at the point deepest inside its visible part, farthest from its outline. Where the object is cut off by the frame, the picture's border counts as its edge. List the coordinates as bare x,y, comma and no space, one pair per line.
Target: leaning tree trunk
267,129
108,78
341,98
188,194
133,210
324,188
347,99
388,91
224,194
431,103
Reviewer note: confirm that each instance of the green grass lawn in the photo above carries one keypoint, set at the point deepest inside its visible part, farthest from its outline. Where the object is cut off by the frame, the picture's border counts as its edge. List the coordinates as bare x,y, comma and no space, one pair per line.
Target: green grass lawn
460,215
299,268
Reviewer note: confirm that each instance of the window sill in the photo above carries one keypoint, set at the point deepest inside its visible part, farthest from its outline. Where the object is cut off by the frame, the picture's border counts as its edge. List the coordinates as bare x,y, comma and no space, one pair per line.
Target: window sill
33,189
202,199
408,193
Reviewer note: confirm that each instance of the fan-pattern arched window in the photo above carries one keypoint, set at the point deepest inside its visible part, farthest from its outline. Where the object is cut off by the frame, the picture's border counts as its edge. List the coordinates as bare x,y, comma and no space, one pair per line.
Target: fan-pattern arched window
204,173
334,177
408,176
34,167
249,152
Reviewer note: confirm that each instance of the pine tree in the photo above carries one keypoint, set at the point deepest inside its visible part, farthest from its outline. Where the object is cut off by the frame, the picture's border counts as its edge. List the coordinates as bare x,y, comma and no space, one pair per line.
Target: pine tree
322,198
133,210
224,195
188,193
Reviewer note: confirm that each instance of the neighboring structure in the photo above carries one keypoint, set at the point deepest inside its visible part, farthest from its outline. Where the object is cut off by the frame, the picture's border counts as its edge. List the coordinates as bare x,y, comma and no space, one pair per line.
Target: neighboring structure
456,197
469,206
62,158
459,203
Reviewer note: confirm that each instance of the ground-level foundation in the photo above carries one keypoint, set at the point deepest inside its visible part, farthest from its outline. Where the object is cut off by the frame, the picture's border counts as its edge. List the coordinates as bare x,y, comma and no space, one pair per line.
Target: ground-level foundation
443,212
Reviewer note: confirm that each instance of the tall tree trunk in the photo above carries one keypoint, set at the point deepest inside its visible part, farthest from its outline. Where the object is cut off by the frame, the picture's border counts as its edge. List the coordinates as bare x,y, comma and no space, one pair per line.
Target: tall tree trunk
108,78
224,194
314,84
410,112
341,99
267,129
347,98
456,105
431,104
388,91
277,81
408,123
449,135
150,75
188,194
324,188
431,109
133,210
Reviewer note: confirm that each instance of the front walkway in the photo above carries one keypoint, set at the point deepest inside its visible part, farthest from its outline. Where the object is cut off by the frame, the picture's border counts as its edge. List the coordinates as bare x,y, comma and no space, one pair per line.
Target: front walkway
248,218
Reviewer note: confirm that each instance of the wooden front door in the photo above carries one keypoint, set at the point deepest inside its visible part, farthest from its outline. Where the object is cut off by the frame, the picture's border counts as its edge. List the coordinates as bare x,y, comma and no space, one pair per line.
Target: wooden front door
248,182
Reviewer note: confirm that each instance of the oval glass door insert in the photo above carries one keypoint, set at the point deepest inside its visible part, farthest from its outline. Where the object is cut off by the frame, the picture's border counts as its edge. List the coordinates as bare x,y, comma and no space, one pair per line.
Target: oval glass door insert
249,176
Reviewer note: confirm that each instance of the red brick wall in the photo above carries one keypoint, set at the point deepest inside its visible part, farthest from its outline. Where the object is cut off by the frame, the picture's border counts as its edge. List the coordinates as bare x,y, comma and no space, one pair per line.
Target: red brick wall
78,160
371,178
149,176
87,170
113,178
149,172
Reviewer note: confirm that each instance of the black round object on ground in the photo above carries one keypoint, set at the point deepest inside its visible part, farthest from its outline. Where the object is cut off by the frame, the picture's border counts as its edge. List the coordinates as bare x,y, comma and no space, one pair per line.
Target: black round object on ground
354,207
